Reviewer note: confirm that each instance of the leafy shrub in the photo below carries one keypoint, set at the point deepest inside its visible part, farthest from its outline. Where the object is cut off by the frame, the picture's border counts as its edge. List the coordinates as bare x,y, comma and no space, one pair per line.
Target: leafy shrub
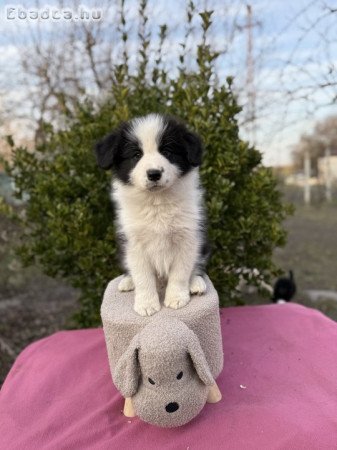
68,221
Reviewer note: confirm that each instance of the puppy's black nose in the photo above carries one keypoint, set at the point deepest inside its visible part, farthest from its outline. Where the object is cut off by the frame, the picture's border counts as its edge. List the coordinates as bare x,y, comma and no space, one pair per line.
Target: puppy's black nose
172,407
154,174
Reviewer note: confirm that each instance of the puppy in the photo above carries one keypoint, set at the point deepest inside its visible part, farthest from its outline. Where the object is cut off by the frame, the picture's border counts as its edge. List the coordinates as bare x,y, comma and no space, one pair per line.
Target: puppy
160,214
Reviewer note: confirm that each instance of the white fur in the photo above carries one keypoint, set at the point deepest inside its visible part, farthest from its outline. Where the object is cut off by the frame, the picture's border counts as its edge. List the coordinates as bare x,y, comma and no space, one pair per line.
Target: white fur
148,131
198,285
126,284
162,231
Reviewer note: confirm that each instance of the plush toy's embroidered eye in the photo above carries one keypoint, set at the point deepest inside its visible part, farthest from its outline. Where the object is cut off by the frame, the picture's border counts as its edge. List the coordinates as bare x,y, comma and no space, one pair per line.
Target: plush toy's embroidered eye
151,381
179,376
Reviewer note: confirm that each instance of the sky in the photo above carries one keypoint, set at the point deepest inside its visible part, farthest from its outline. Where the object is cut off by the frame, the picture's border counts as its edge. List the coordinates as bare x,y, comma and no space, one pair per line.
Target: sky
294,51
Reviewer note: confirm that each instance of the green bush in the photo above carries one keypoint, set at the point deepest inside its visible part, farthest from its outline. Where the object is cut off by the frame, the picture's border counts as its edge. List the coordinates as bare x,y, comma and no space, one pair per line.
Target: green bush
68,221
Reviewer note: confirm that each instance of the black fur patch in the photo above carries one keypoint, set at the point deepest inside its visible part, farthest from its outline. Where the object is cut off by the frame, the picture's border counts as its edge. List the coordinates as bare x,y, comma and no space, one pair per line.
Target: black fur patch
180,146
119,151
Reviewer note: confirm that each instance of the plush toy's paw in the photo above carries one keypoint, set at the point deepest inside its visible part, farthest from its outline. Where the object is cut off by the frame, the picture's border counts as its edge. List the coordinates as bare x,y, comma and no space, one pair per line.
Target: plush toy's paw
198,285
146,306
176,299
126,284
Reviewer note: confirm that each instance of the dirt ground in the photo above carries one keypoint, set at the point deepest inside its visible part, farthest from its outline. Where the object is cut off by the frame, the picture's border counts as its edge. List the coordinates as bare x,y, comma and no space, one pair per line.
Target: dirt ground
33,306
311,252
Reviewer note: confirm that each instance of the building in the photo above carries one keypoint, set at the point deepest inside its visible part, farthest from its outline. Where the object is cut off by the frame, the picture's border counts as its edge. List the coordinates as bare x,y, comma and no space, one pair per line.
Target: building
327,165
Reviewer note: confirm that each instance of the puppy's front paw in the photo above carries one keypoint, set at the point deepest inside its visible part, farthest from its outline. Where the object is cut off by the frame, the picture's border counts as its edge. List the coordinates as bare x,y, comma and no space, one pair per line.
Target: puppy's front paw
176,299
198,285
146,306
126,284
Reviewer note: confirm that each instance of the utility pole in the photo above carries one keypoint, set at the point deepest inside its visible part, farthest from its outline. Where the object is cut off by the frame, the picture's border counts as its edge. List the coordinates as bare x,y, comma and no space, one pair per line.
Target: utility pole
250,74
250,84
328,184
307,174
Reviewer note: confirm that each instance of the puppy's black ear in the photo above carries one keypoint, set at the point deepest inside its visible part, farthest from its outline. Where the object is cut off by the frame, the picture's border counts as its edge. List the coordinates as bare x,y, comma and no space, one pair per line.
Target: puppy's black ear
106,149
194,148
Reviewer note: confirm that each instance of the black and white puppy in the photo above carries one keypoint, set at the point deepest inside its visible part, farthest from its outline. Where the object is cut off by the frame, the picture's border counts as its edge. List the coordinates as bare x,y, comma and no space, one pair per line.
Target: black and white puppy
156,188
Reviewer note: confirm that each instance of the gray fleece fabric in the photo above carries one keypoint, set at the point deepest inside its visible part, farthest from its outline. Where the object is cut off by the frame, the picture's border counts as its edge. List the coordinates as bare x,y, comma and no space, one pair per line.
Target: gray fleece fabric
165,362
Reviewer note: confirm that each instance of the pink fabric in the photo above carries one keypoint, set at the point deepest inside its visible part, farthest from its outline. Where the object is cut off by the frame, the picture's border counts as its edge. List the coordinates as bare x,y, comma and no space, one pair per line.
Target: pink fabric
279,388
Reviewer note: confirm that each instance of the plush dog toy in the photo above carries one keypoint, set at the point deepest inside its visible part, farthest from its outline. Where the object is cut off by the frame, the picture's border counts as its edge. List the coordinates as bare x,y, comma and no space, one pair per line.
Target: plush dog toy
164,365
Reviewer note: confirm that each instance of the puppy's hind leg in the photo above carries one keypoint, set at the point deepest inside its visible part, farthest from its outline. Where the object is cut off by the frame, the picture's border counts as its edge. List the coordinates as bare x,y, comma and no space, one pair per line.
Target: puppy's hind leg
197,285
126,284
197,281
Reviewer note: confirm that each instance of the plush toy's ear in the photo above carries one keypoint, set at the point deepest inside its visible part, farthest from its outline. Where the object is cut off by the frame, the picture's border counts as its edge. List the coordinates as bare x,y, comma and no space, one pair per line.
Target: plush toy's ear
198,359
194,148
107,148
127,370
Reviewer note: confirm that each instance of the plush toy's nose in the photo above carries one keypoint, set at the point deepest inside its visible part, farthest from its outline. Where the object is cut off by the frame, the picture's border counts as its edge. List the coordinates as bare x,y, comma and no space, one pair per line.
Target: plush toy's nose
172,407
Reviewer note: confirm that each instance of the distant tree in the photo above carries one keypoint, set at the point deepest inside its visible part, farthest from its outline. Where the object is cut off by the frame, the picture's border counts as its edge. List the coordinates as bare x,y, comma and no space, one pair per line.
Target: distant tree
324,135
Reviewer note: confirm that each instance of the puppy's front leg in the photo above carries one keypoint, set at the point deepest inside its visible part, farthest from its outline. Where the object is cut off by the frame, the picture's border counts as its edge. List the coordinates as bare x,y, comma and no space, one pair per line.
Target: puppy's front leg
178,286
146,295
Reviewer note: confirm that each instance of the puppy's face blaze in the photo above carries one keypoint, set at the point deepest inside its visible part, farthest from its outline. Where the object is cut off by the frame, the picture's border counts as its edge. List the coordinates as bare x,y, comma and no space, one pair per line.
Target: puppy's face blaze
150,152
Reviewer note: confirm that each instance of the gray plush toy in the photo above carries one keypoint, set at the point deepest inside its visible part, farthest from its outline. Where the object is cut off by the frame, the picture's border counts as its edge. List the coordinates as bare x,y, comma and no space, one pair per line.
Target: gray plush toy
164,365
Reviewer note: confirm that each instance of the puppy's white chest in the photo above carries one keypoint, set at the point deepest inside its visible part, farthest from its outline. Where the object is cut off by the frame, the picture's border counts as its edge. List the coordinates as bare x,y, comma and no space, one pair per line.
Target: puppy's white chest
163,219
160,228
158,233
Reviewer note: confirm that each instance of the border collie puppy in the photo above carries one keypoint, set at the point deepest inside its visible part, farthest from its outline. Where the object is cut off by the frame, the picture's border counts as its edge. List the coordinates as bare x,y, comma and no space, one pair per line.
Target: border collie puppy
160,218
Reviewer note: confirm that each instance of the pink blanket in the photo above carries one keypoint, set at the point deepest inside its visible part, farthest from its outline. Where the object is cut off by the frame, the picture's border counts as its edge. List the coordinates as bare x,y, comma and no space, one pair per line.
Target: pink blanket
279,388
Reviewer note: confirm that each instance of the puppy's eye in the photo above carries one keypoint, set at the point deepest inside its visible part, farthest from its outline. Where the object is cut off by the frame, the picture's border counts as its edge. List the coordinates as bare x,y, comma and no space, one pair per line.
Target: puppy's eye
151,381
165,150
179,376
137,155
